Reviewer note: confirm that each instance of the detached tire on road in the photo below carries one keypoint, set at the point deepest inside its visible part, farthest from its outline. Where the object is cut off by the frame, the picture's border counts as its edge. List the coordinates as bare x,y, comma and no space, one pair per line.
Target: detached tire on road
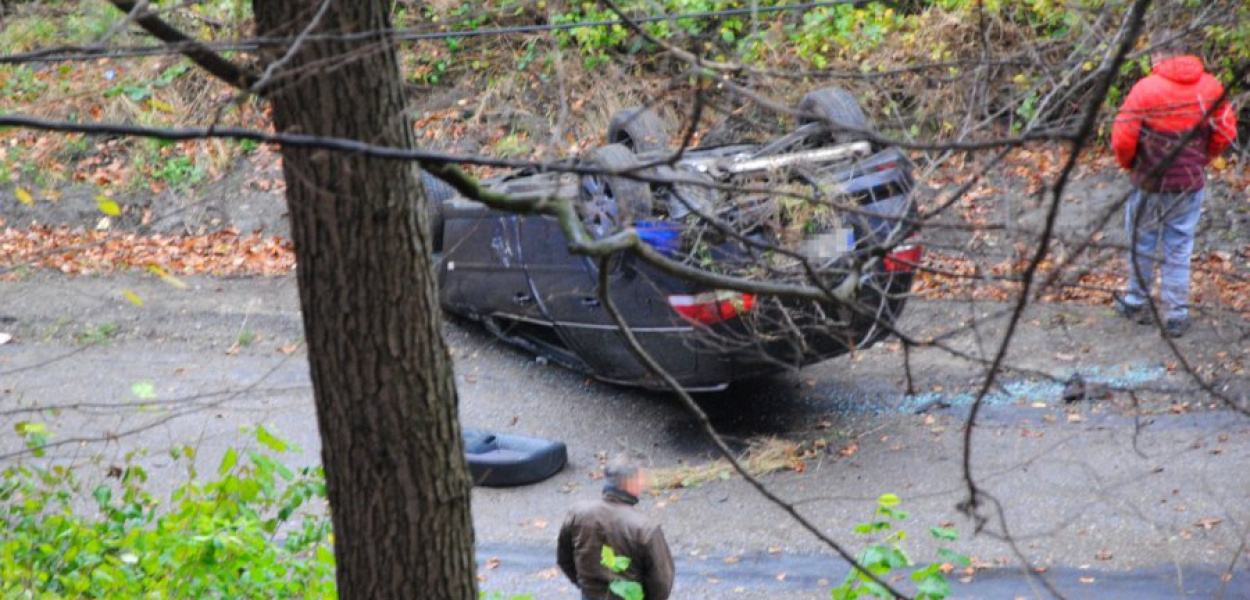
838,110
511,460
436,193
639,129
608,202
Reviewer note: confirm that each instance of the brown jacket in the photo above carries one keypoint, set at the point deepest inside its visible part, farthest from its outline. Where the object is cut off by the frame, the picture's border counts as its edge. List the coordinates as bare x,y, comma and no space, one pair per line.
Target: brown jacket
612,521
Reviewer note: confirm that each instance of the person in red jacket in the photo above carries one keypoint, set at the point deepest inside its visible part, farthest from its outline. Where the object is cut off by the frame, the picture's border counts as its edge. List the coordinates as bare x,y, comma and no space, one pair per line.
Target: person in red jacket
1173,122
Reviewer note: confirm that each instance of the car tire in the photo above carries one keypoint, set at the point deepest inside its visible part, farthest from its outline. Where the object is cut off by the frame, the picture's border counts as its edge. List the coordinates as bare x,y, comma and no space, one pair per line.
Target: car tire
437,192
638,129
838,110
608,203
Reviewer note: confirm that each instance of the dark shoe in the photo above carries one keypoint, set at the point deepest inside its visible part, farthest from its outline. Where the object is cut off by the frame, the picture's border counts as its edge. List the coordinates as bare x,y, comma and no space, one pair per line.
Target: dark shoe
1175,328
1132,312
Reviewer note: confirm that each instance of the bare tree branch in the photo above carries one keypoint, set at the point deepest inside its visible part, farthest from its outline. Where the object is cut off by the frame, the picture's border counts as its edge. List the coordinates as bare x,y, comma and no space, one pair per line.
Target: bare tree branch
208,60
1110,67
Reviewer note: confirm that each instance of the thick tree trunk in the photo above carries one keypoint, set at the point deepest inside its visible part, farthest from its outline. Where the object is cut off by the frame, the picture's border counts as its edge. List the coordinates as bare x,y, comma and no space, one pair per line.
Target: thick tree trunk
386,407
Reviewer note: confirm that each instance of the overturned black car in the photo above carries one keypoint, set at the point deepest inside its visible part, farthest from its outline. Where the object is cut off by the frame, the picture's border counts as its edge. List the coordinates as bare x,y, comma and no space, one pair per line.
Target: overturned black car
822,206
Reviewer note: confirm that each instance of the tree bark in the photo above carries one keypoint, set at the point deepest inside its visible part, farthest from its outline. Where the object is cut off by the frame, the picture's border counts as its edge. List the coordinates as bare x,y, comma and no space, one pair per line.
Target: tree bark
386,407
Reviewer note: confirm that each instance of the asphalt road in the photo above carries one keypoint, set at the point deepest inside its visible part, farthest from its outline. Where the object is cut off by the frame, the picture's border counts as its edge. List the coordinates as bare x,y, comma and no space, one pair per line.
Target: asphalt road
1143,495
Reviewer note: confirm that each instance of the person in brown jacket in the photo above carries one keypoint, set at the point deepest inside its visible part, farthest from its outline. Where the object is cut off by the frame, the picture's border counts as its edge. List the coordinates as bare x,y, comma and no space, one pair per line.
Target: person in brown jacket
612,521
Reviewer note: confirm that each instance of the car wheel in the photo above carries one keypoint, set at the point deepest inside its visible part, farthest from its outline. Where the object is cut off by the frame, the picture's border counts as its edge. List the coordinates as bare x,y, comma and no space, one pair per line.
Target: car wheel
638,129
838,110
609,203
436,193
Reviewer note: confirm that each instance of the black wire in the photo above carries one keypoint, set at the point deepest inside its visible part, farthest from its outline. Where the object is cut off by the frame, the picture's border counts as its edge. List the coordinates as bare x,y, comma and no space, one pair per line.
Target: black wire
64,53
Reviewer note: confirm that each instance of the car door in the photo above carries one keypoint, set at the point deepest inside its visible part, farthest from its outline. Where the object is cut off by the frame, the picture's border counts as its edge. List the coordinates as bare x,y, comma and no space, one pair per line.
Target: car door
481,273
566,287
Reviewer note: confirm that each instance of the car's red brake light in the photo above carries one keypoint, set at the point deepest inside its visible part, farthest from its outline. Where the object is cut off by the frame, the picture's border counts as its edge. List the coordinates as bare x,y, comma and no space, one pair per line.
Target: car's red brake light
904,258
887,166
713,307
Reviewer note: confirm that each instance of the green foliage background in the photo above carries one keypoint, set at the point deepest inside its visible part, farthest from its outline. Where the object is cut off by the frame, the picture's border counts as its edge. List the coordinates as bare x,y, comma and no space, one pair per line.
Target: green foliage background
243,533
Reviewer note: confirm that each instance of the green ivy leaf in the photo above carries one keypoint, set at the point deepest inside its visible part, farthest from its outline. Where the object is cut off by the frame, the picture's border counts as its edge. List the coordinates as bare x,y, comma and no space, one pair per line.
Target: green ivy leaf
877,589
228,461
143,390
102,494
268,439
629,590
951,556
873,555
871,527
896,559
933,587
888,500
30,427
945,534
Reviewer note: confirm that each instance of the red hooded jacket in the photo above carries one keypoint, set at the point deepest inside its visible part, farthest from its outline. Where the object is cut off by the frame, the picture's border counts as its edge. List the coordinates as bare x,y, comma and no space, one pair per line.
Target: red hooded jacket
1160,112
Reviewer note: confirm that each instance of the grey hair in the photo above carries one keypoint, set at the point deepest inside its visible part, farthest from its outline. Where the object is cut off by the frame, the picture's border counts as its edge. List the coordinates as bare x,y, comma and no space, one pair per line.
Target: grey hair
620,469
1168,42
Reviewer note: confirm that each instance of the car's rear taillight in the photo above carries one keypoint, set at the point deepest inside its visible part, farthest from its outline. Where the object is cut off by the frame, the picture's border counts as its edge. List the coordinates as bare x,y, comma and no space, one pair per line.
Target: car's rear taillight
886,166
714,307
904,258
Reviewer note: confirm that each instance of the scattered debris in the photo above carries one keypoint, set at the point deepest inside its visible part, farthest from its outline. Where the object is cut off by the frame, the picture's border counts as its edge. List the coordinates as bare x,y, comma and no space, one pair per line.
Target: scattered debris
1075,389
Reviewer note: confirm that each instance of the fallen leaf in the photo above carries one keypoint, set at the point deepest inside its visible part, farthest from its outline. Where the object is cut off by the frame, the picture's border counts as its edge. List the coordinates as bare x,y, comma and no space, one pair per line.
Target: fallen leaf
1103,555
540,524
1087,580
108,206
781,577
132,297
288,349
24,197
493,563
551,573
1209,522
731,560
850,450
166,277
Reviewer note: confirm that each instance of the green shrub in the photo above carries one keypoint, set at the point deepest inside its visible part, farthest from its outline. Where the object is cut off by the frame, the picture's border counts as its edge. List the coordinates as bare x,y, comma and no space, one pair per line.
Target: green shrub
885,557
243,534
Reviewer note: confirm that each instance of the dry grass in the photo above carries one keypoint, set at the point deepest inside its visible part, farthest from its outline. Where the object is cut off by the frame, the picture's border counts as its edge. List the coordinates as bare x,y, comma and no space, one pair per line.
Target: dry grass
761,458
